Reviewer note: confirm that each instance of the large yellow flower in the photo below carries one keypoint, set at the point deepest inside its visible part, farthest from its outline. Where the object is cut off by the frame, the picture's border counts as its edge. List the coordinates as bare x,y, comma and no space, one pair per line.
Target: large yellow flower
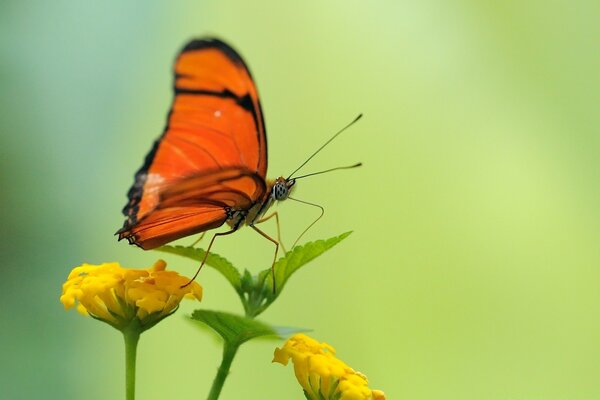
321,374
120,296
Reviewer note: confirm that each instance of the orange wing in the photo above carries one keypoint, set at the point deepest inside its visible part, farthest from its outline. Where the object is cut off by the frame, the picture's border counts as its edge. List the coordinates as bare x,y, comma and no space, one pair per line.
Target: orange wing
215,126
196,204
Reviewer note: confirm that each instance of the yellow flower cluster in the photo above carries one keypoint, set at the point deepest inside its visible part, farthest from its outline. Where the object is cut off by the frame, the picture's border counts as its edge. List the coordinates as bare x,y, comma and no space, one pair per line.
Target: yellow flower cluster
321,374
120,296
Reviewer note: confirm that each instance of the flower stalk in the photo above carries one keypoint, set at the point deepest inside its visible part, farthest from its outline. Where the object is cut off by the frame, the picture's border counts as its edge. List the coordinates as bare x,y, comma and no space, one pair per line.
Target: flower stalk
229,351
131,335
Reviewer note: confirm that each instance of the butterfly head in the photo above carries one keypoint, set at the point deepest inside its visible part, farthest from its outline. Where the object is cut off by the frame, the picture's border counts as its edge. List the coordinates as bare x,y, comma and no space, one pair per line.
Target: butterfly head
282,188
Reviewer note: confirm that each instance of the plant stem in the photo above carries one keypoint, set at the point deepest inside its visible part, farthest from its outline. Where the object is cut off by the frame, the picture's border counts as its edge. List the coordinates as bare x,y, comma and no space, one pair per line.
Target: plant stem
229,351
131,334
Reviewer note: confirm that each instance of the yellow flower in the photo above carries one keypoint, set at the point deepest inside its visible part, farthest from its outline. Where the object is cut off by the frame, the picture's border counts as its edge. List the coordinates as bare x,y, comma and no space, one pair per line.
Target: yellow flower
120,296
321,374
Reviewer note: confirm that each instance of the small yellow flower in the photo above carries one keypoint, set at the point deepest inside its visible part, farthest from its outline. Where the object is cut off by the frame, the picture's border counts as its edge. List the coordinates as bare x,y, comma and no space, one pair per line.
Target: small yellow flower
120,296
321,374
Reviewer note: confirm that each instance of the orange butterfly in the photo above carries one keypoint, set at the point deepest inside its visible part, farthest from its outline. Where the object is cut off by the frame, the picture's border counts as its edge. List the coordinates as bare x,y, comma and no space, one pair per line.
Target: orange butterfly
209,166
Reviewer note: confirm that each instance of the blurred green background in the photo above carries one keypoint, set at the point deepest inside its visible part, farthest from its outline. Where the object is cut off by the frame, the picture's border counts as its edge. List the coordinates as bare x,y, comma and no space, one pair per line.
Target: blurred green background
473,270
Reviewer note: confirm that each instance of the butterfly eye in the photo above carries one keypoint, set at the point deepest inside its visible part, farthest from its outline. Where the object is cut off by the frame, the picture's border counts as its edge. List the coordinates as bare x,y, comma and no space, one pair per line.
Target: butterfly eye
280,191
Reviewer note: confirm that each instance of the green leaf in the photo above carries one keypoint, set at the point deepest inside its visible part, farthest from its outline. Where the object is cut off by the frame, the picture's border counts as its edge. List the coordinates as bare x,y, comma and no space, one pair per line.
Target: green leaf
236,329
297,258
256,291
213,260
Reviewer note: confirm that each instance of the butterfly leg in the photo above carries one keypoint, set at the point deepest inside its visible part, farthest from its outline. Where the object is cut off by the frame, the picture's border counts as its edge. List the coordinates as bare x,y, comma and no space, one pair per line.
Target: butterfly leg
207,252
198,240
274,257
276,215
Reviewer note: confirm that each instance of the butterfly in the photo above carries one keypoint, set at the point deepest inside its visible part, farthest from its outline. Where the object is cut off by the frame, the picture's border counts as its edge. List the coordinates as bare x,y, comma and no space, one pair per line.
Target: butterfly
209,166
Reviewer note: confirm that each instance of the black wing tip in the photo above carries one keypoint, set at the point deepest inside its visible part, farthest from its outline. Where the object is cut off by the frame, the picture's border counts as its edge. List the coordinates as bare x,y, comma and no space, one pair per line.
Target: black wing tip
203,43
131,238
212,42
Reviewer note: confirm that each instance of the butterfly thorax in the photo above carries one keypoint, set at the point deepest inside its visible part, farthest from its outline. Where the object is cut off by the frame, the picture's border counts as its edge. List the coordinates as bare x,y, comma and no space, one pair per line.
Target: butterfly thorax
277,190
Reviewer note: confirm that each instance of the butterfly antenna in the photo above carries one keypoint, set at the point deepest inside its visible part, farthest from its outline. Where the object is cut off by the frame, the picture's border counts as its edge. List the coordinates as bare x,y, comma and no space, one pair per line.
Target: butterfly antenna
325,144
329,170
314,222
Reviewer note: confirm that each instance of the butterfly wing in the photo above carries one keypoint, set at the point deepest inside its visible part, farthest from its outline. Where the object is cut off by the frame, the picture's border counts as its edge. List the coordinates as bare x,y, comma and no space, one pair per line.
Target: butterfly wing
195,204
215,124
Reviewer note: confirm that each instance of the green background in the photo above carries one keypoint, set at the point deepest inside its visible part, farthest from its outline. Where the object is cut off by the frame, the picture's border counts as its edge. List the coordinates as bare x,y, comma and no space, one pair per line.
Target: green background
473,270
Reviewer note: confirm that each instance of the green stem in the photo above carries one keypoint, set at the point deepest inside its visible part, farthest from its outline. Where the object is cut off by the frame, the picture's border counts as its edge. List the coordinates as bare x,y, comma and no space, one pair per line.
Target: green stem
131,334
229,351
